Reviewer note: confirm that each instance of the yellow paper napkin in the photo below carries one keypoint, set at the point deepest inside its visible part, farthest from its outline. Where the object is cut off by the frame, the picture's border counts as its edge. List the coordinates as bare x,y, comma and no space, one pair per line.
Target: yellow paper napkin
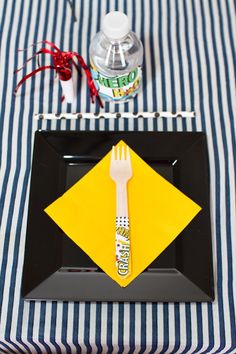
158,212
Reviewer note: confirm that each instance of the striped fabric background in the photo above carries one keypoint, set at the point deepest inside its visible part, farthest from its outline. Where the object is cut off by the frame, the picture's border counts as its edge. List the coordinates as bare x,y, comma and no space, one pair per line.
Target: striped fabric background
189,65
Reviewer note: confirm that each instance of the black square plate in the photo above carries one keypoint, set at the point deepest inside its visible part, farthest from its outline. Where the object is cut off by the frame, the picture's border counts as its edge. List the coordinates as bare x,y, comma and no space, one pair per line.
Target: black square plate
56,268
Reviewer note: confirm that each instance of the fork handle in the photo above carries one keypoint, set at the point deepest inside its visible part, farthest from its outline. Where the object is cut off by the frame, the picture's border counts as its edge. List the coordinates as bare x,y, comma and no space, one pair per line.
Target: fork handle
121,200
123,259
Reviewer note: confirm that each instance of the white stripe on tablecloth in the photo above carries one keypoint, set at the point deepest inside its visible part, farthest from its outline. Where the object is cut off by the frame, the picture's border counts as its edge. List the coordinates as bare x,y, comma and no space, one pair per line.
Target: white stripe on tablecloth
92,332
146,43
182,329
84,51
58,326
160,321
115,320
104,327
182,32
130,14
137,327
156,47
81,327
171,329
175,54
126,335
60,41
166,72
193,66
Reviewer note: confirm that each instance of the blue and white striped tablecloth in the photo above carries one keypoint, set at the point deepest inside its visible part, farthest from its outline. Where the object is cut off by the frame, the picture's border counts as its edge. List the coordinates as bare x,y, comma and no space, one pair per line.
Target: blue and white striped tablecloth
189,65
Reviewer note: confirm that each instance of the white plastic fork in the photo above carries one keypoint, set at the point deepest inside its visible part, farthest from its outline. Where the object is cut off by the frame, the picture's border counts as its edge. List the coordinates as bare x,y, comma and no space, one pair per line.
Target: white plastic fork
121,173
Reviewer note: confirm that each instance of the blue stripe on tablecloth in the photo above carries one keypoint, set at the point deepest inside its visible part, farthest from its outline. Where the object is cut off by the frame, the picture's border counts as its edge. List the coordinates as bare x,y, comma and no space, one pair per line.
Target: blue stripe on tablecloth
86,328
142,37
188,329
109,327
76,327
177,327
232,46
179,52
106,104
181,68
190,71
72,30
88,40
199,329
134,27
51,74
170,55
132,327
154,344
62,45
212,53
42,58
53,338
152,57
162,63
78,46
126,105
165,328
3,12
121,327
98,327
65,327
98,28
143,328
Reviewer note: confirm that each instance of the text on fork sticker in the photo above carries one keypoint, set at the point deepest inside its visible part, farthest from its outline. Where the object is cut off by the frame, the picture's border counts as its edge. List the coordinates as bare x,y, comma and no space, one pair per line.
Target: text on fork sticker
122,247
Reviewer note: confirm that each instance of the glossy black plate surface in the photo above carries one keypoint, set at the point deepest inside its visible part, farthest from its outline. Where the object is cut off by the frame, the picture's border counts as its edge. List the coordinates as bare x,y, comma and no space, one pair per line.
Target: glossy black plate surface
56,268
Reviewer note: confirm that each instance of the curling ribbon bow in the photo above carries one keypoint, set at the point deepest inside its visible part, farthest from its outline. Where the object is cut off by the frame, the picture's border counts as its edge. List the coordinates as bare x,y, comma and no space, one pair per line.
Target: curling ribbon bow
62,64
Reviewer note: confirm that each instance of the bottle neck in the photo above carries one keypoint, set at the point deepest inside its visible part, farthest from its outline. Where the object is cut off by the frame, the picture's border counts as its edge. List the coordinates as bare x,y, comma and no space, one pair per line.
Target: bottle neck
115,41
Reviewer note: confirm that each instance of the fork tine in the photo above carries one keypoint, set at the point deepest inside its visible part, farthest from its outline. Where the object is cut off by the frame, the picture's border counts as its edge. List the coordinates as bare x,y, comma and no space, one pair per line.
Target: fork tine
127,153
113,153
118,153
122,153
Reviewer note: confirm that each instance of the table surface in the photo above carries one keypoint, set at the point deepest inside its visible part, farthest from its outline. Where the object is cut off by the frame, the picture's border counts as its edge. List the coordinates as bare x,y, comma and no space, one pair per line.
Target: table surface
189,65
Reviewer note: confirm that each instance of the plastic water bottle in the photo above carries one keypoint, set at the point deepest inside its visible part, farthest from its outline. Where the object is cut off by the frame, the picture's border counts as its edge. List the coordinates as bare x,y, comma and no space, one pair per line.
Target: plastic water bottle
116,56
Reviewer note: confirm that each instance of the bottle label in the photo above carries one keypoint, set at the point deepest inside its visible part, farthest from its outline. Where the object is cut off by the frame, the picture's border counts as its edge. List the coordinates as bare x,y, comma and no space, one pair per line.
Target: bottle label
117,88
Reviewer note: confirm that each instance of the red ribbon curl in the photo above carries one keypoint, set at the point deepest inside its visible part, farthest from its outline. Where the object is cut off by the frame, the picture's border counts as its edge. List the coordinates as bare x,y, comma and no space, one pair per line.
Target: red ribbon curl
62,64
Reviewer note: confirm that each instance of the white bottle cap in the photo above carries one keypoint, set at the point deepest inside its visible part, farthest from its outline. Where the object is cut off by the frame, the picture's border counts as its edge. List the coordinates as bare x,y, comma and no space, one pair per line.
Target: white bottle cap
115,25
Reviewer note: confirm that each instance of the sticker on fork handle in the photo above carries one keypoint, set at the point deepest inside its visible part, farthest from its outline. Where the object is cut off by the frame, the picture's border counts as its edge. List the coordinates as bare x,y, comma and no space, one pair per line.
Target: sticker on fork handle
122,246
